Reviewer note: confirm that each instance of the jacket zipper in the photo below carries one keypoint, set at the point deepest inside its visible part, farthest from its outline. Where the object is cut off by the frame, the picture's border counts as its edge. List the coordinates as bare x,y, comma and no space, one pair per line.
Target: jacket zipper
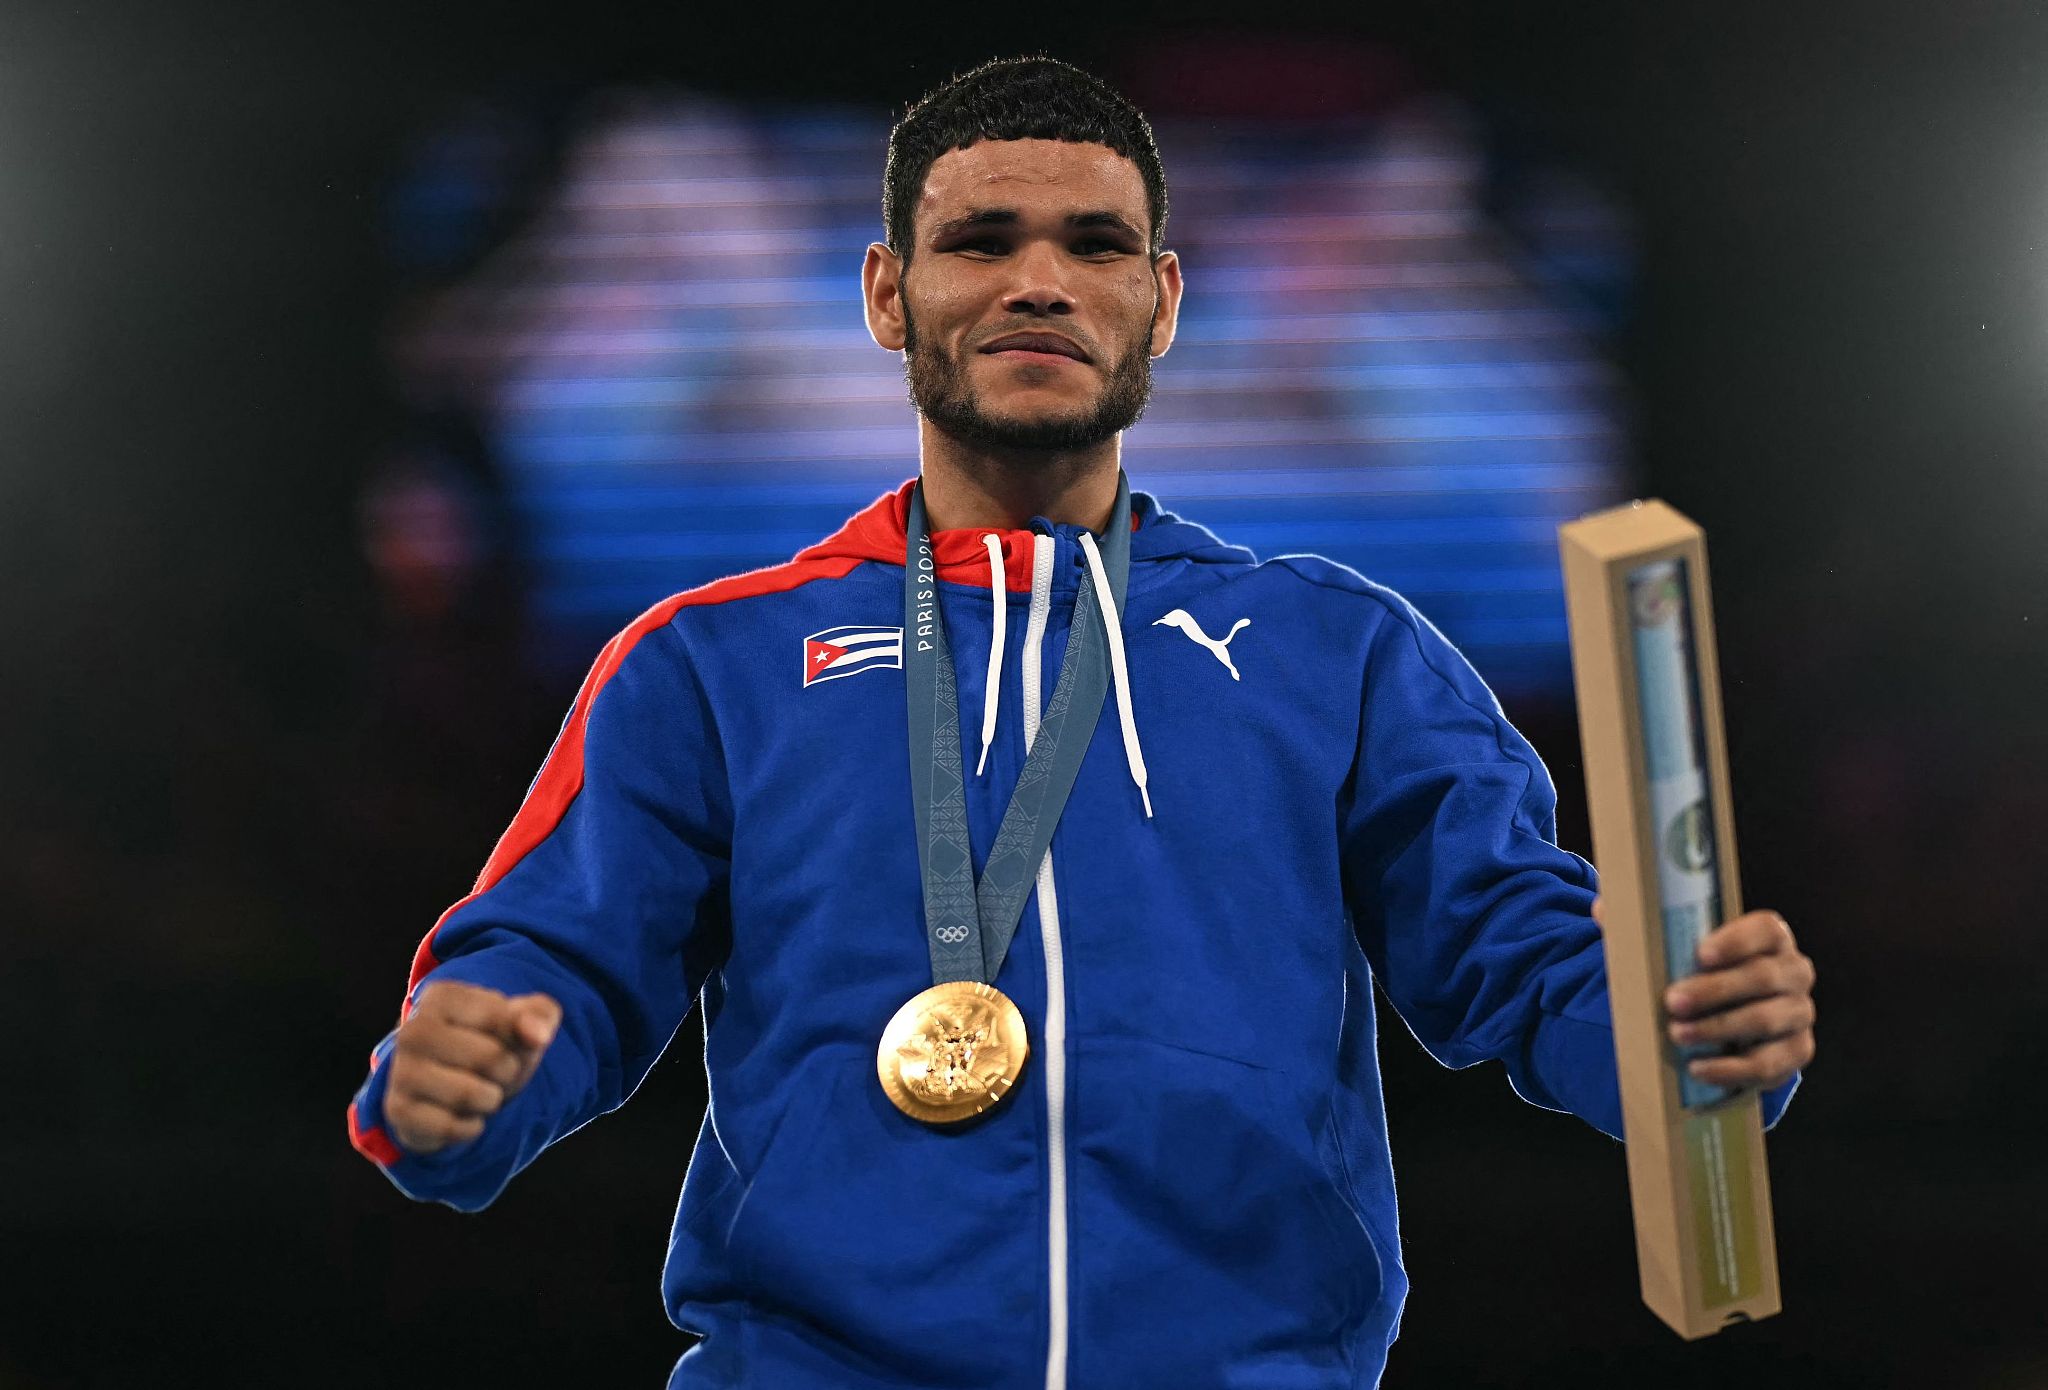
1054,1043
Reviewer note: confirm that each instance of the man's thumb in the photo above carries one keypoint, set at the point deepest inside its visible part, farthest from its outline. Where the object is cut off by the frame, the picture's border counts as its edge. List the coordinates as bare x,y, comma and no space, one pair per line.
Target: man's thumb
536,1017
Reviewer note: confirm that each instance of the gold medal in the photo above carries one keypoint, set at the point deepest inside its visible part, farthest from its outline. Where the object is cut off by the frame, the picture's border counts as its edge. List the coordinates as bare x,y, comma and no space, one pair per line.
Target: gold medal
952,1051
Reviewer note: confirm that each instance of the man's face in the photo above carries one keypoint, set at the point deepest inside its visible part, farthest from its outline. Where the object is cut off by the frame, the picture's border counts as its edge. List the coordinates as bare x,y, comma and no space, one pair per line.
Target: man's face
1028,237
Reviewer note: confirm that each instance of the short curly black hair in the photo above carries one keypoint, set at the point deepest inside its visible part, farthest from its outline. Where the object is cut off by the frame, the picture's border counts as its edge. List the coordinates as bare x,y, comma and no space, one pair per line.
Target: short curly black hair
1029,98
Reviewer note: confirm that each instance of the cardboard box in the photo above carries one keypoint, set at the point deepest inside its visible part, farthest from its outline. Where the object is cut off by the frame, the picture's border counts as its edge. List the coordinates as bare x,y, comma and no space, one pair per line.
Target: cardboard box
1656,759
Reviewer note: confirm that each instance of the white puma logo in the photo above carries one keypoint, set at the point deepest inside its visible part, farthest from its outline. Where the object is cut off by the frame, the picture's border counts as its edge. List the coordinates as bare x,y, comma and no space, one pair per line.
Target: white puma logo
1179,618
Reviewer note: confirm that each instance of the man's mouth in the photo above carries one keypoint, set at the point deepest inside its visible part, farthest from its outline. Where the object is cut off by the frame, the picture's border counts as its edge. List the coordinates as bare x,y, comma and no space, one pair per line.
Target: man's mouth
1036,347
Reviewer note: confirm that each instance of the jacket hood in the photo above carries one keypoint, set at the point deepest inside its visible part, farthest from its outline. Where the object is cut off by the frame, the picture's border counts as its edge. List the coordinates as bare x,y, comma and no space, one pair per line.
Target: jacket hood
1002,559
879,532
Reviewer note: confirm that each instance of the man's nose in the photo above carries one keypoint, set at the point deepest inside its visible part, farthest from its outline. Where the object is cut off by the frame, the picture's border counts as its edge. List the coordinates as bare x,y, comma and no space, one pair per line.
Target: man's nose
1038,287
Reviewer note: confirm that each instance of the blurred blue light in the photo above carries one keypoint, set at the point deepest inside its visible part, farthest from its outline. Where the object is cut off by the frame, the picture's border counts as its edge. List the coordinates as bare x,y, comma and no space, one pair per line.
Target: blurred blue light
672,368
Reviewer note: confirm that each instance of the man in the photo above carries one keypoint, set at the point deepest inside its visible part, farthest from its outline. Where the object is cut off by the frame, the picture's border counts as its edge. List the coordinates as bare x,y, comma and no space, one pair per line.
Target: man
1147,1148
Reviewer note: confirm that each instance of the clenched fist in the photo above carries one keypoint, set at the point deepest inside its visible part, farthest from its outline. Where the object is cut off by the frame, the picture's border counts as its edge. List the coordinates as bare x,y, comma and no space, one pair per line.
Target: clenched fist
462,1053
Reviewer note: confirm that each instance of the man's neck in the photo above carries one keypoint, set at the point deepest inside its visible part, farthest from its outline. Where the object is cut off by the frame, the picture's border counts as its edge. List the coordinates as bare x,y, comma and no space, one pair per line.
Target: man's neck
965,488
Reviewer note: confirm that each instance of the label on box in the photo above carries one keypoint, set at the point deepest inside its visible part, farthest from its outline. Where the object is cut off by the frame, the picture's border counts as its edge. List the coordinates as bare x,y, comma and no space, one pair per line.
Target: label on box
1724,1216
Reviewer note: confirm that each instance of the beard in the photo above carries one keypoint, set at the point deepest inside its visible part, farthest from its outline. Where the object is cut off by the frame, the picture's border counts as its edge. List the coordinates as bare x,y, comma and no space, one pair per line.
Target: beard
943,394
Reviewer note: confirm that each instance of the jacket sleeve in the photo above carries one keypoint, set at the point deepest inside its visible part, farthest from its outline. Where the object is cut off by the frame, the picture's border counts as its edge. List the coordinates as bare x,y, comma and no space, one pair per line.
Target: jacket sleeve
607,892
1478,925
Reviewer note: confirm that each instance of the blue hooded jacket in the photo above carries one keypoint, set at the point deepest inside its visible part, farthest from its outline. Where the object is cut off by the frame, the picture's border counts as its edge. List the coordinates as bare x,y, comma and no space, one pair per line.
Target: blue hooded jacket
1190,1184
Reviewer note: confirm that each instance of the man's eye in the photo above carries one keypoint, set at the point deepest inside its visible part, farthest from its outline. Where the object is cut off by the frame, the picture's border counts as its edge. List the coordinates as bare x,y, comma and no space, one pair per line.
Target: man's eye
1093,246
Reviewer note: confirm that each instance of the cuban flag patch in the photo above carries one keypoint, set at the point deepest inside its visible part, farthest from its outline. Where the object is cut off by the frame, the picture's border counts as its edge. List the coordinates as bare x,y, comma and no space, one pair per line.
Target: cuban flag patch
848,651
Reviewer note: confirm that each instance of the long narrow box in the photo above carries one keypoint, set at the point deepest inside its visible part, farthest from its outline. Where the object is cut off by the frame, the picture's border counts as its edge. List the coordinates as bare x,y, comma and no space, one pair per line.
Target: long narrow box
1649,697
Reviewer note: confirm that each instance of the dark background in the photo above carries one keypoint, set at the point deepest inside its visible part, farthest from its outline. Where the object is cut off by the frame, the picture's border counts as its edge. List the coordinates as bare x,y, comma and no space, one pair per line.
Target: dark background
234,799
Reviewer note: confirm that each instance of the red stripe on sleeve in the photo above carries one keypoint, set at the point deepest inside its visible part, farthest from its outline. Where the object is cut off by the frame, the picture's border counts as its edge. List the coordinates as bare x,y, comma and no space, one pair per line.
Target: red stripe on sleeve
373,1143
561,776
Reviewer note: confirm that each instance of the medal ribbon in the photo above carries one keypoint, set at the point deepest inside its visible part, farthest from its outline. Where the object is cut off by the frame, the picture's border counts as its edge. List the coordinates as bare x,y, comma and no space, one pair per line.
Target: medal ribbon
969,925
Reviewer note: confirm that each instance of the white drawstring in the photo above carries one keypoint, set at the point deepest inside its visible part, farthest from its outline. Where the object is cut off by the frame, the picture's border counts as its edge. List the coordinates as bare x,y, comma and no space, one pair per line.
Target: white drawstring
1113,620
999,601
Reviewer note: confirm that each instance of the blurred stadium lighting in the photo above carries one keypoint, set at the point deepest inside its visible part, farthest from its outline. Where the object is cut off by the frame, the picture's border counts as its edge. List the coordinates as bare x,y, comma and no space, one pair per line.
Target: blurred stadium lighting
670,367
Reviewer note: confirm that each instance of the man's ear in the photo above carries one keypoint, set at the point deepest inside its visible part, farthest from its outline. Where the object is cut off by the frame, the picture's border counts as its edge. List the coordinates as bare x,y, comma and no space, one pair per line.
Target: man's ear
1166,316
881,283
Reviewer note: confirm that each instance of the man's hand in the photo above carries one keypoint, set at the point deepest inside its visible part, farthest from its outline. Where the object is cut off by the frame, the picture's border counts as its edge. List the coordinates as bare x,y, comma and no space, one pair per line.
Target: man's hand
462,1053
1754,989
